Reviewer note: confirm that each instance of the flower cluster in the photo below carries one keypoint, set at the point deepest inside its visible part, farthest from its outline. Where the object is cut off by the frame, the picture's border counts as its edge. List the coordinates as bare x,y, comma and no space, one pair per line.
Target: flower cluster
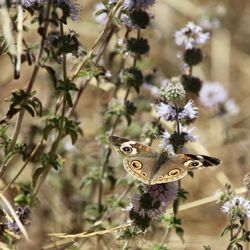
237,208
69,7
169,111
101,11
151,203
23,214
213,95
190,36
172,142
138,4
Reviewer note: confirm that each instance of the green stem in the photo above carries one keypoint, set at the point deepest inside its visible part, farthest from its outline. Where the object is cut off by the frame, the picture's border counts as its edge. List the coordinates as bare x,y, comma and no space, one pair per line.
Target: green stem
61,127
30,86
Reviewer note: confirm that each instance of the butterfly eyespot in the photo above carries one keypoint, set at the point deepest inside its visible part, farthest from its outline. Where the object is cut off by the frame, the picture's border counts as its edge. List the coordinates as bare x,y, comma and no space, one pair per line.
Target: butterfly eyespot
174,172
143,174
194,164
160,177
136,164
126,149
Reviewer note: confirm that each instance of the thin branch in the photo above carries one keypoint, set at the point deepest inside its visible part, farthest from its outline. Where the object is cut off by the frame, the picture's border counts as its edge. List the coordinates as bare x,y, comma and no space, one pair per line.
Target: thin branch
99,38
30,85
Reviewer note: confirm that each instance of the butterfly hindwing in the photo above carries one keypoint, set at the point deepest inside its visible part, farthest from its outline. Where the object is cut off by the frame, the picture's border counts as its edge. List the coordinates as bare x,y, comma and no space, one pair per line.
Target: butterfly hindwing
167,170
140,167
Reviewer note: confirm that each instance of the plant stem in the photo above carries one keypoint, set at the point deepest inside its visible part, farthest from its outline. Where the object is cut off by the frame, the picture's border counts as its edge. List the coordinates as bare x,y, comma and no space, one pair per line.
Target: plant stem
99,38
35,150
60,130
30,86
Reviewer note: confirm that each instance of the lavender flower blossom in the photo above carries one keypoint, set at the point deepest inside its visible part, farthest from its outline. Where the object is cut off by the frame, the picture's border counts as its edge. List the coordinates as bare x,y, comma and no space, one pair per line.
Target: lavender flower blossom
28,3
171,142
237,208
165,143
23,215
231,108
189,111
169,112
138,4
212,94
187,133
152,203
166,111
73,6
210,23
191,36
102,17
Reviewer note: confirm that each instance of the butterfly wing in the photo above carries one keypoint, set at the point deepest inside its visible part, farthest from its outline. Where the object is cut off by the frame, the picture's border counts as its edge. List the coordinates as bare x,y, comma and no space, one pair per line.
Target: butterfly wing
193,162
139,159
130,148
172,168
140,167
167,169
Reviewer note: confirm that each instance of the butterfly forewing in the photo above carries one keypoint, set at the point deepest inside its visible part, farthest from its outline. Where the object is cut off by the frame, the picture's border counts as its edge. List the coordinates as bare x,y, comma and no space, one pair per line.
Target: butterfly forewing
193,162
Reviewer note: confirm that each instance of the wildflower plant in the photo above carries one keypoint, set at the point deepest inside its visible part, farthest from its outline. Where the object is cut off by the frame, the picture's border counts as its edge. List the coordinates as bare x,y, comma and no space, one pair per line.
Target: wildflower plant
237,208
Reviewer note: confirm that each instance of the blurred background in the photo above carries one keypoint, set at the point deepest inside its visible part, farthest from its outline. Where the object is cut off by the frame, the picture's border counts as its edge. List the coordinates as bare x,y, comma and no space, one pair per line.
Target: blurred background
227,61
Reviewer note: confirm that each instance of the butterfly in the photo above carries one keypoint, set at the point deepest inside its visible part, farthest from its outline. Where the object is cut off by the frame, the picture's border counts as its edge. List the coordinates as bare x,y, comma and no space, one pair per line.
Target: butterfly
151,167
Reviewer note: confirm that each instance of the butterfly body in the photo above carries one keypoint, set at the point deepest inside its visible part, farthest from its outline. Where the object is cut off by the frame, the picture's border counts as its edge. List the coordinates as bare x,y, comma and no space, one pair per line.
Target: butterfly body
151,167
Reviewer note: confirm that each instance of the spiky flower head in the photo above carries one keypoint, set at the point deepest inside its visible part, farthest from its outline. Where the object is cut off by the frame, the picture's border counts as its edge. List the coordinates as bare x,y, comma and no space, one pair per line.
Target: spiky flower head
237,208
173,92
190,36
151,203
137,4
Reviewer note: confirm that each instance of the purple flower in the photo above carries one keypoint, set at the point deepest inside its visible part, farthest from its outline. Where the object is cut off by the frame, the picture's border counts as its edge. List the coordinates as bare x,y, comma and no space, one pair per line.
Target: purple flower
169,112
190,111
29,3
154,90
23,214
151,203
231,107
187,133
237,208
210,22
190,36
212,94
166,111
102,16
73,6
12,226
74,9
170,142
138,4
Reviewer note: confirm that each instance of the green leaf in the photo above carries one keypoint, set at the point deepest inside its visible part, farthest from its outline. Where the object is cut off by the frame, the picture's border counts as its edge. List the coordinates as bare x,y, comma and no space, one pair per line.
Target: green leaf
22,199
73,136
31,110
207,247
52,74
12,112
69,99
37,173
180,232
